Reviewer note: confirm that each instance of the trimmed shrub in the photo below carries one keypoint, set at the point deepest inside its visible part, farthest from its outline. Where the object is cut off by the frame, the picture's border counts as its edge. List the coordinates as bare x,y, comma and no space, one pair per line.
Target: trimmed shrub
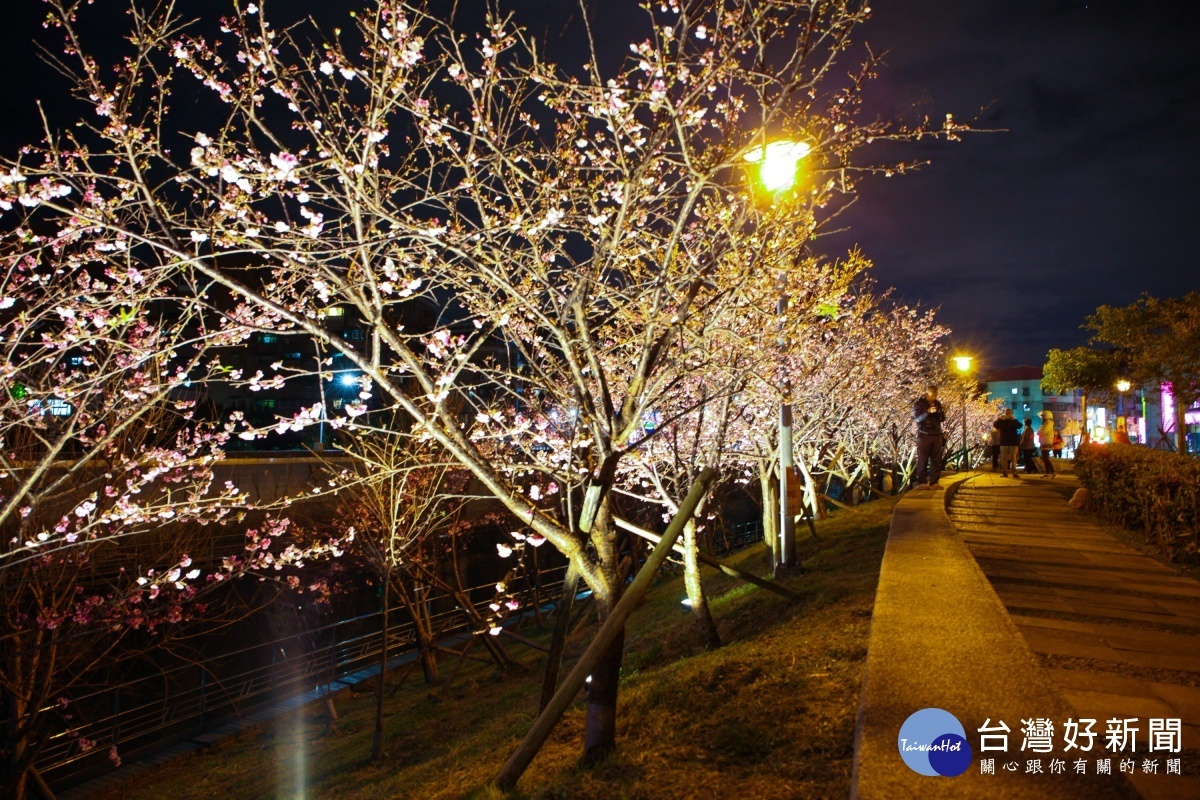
1145,490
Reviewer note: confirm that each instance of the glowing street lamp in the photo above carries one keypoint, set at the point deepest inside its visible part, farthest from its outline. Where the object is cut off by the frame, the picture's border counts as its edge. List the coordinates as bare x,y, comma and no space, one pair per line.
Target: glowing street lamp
963,365
778,162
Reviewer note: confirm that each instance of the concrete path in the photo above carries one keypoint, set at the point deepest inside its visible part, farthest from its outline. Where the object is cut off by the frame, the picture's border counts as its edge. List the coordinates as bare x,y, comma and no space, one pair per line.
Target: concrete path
942,638
1116,632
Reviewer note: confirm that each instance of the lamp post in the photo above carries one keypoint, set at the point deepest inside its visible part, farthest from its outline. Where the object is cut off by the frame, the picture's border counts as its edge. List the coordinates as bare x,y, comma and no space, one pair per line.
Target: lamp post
777,163
1122,426
963,365
344,379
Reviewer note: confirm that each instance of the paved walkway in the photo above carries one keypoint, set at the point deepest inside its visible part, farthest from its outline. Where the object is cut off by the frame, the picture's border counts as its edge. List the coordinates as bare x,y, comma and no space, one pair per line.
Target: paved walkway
1116,632
941,637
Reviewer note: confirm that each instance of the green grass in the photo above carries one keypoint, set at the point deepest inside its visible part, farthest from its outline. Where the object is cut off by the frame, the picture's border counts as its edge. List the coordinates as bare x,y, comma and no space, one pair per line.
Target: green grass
769,715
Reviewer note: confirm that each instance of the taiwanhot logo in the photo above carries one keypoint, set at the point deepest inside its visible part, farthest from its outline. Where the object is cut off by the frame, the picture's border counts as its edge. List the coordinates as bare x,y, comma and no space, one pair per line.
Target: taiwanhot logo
933,742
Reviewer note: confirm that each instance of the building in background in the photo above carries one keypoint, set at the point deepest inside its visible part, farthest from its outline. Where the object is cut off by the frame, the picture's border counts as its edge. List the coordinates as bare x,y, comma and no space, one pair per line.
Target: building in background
1146,414
1020,388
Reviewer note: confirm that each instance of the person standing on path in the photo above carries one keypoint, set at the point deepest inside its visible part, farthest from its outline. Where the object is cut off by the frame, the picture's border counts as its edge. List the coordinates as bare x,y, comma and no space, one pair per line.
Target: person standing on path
1045,437
1028,447
929,415
995,443
1008,430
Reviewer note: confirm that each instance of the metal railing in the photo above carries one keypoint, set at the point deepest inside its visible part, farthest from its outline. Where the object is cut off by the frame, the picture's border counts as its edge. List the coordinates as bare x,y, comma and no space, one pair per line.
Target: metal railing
175,704
181,702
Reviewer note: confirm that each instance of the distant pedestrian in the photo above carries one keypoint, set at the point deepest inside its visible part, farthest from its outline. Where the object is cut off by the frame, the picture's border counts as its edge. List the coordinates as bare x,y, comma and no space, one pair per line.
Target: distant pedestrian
1028,447
1058,444
995,443
929,416
1009,432
1045,437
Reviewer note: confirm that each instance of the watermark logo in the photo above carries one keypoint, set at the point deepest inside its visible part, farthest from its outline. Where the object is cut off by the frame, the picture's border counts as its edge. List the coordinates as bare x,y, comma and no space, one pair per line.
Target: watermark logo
933,742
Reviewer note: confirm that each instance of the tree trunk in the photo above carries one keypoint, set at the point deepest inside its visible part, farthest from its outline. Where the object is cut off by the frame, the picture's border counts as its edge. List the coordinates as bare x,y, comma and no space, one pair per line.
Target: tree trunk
418,608
16,768
429,662
710,639
600,724
377,738
601,647
600,727
770,513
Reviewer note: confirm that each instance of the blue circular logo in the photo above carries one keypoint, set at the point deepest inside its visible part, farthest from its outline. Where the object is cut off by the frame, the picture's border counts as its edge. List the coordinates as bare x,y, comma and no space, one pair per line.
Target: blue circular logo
933,742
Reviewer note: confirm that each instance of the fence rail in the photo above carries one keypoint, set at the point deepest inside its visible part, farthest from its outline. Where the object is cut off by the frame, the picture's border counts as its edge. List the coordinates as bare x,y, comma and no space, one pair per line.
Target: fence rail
182,702
178,703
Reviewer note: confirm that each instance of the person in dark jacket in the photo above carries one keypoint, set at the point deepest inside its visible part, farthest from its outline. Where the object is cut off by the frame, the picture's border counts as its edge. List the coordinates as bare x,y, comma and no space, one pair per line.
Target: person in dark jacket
1009,432
1028,447
929,416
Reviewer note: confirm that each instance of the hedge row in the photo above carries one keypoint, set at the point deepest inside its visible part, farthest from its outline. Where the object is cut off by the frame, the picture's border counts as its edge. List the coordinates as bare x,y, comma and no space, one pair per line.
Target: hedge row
1146,490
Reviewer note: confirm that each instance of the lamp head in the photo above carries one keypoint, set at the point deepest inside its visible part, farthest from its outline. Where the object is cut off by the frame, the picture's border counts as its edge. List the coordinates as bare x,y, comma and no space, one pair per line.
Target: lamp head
1123,385
777,162
962,363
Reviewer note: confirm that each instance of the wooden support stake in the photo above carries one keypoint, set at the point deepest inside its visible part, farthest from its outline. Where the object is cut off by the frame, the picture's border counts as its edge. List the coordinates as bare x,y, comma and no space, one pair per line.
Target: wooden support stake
704,558
520,759
524,640
829,499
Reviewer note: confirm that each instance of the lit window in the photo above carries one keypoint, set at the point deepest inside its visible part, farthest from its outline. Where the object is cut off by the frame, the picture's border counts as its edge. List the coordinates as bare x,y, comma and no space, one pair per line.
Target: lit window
1014,390
354,334
268,338
265,403
58,408
76,361
294,356
334,311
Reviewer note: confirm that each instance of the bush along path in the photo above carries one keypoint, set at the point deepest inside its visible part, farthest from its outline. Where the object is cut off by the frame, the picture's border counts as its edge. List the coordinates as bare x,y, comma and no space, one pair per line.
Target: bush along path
1117,632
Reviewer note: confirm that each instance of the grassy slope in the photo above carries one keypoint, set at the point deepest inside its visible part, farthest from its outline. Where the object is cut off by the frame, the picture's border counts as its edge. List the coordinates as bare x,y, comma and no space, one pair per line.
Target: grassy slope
770,715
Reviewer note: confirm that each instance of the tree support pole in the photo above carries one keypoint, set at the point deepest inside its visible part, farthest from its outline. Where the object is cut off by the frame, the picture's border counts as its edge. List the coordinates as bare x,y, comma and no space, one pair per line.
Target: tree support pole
704,558
612,627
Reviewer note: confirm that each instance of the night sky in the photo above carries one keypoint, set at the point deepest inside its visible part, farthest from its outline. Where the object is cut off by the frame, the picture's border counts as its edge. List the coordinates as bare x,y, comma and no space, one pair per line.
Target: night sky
1088,195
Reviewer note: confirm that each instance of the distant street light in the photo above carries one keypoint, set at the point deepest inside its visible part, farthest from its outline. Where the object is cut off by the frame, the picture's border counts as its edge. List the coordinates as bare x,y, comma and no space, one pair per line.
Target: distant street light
778,162
963,365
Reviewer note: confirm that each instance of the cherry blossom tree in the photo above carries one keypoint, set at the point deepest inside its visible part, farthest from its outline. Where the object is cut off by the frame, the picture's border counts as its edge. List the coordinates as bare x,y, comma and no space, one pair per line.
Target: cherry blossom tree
562,218
405,507
106,472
